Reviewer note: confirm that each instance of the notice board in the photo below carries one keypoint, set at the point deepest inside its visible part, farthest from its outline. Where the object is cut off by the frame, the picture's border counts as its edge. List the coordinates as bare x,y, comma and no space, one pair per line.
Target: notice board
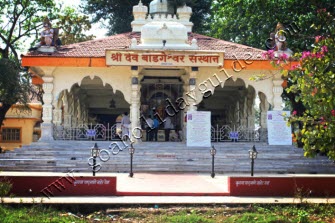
198,128
279,133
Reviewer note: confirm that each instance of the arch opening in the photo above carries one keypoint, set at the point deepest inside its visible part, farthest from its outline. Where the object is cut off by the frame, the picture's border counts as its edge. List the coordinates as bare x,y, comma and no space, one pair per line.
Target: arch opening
92,107
234,112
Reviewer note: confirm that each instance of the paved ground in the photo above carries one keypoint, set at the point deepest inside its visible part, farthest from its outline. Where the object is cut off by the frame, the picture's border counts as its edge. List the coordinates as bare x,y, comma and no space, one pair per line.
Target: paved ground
126,200
194,188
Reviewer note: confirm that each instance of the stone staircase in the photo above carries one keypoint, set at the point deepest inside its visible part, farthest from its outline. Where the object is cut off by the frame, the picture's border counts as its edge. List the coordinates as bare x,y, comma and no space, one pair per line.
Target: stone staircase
231,158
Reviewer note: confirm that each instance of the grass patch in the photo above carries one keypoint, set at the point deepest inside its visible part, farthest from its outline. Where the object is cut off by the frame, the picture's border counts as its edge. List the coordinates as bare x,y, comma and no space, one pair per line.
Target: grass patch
184,217
34,214
257,217
302,213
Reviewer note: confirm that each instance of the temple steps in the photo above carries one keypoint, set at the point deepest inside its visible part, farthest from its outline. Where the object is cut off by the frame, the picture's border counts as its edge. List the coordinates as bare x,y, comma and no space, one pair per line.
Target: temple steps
231,158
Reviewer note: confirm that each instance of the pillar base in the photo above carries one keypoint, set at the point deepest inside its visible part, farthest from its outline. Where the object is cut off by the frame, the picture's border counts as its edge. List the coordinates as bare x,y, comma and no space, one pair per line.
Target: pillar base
46,132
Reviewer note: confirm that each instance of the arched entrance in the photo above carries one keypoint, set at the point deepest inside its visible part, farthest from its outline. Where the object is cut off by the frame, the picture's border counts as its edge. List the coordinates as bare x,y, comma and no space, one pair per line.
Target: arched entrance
158,96
89,111
234,111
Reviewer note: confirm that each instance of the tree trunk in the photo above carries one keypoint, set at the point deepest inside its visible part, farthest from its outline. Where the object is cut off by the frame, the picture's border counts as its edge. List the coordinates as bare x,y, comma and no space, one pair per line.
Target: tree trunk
3,110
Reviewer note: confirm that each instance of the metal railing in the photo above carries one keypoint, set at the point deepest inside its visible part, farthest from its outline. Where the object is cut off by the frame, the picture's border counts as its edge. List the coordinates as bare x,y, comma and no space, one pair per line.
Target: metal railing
226,133
100,132
88,132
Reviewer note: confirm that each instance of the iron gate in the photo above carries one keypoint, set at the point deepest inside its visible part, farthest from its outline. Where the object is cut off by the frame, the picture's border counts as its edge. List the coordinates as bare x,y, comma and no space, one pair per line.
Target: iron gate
226,133
93,132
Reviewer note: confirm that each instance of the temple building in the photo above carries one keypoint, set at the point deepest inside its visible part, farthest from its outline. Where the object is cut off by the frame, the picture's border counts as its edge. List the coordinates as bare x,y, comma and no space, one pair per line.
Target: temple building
161,67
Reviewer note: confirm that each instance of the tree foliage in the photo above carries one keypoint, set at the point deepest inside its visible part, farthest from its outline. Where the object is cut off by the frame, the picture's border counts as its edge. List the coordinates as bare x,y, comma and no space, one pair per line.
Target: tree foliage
311,82
15,86
118,13
250,22
23,18
72,25
19,21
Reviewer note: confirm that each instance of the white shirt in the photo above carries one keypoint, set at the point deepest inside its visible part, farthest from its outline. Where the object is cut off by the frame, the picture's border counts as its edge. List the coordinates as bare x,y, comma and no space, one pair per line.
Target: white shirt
125,120
150,122
168,123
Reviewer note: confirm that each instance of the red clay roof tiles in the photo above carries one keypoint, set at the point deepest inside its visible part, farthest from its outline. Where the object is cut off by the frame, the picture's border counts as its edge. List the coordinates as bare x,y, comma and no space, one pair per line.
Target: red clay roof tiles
96,48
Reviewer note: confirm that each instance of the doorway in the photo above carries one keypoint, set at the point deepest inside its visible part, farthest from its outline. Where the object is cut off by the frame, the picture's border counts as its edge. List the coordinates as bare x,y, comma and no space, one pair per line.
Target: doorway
158,96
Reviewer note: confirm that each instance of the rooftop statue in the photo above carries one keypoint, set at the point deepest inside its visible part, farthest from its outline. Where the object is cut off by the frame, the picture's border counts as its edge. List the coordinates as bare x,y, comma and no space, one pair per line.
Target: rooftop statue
280,38
47,34
278,41
49,38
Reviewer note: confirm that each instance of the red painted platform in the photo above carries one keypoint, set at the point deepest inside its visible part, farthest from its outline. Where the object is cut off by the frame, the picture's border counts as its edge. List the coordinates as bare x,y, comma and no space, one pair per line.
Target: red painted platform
163,184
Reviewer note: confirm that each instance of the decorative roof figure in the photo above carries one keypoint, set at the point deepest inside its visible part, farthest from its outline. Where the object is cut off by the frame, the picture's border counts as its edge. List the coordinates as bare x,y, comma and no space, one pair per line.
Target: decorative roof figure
47,34
49,38
162,29
280,38
279,43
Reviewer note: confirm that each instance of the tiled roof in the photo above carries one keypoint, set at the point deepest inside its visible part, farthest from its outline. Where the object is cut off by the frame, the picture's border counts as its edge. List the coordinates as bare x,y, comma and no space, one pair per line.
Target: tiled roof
96,48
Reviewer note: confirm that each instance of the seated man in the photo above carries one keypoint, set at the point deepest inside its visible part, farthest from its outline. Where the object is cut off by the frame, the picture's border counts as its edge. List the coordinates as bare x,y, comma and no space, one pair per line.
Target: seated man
47,35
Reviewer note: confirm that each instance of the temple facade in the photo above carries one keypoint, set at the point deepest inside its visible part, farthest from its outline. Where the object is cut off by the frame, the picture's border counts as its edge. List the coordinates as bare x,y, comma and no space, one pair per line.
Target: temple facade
161,68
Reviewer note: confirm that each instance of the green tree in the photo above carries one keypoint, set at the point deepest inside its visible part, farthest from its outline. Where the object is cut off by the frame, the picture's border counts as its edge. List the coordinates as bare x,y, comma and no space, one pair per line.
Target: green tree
312,85
23,20
15,86
72,25
250,22
118,13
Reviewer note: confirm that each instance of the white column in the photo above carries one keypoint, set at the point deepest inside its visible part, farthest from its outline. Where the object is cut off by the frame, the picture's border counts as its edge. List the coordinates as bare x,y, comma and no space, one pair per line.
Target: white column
135,107
47,126
189,94
192,90
277,92
244,112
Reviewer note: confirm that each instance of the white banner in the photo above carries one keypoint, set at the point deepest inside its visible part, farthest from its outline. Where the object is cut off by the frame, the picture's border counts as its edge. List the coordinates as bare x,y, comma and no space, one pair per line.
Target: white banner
198,128
279,133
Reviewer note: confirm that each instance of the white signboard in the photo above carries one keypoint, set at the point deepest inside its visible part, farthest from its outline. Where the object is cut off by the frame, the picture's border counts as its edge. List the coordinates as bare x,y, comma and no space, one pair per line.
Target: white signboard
279,133
198,128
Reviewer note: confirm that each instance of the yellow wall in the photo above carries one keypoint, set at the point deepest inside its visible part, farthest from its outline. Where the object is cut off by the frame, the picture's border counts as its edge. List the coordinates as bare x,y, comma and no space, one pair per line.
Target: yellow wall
24,120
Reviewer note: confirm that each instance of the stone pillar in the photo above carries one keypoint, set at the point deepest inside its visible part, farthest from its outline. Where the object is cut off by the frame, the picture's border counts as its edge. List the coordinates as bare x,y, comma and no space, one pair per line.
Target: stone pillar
57,117
75,101
191,91
82,114
250,108
264,107
67,121
71,109
190,95
277,92
135,106
244,113
47,126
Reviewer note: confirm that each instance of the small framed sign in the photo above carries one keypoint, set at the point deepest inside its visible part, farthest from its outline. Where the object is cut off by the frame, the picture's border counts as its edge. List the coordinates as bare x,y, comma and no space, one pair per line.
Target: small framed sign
90,133
233,135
